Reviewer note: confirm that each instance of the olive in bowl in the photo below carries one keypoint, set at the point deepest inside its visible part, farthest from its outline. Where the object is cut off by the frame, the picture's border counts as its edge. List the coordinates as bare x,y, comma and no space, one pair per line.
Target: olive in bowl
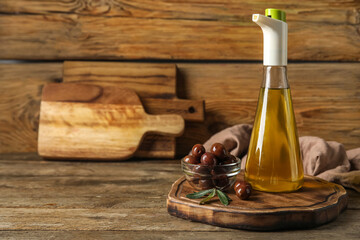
210,171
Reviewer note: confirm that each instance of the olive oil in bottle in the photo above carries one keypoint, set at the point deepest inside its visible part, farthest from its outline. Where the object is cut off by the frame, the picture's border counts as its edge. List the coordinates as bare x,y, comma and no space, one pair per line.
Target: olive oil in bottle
274,161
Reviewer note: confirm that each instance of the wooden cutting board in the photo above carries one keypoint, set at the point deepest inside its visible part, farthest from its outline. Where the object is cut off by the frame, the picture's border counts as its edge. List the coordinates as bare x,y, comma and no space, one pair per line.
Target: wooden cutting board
155,83
316,203
82,121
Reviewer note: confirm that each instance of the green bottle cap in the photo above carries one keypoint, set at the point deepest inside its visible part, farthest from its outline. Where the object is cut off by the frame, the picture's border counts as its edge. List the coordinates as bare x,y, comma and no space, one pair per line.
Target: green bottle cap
275,14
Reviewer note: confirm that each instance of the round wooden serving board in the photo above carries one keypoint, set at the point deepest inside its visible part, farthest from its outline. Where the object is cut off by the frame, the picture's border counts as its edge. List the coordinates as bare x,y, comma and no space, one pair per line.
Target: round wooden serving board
316,203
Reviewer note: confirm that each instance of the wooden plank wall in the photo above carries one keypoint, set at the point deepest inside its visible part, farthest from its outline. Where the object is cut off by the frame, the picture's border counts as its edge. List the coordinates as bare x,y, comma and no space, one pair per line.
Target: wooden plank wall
214,43
173,29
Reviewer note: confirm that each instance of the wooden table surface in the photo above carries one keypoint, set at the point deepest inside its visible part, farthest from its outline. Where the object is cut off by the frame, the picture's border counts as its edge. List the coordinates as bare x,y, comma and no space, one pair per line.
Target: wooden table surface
126,200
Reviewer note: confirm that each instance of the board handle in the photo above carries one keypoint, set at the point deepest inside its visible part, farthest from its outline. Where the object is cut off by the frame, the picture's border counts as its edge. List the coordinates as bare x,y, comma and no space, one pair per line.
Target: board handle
167,124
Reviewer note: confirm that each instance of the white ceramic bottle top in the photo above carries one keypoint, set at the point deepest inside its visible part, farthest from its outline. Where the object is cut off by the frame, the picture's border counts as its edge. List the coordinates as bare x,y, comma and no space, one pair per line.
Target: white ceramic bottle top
275,39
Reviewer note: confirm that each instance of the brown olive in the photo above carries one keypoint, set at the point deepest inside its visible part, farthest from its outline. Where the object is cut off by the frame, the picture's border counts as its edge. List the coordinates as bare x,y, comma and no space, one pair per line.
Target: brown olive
208,159
198,150
221,181
205,184
219,151
202,171
243,189
229,159
241,183
238,184
219,177
195,179
191,159
218,170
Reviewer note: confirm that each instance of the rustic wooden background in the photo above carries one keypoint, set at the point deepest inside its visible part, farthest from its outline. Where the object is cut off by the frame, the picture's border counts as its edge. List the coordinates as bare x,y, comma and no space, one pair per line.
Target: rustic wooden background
217,51
216,47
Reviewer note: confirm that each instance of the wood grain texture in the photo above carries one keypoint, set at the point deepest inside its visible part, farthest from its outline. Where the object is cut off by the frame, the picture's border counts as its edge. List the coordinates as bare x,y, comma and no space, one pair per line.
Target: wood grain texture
20,95
149,80
320,234
81,121
190,110
328,118
326,100
229,81
20,105
156,146
154,83
326,97
189,9
316,203
109,29
70,200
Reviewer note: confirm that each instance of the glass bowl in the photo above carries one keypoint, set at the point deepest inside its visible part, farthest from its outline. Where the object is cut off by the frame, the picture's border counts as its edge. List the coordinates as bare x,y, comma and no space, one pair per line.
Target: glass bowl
203,177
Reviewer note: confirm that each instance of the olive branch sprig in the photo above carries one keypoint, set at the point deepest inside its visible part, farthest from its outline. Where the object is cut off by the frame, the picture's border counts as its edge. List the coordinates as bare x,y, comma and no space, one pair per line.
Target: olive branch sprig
223,197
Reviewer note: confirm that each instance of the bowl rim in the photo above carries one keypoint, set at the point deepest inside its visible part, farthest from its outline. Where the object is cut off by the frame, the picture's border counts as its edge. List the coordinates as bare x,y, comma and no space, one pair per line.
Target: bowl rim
225,165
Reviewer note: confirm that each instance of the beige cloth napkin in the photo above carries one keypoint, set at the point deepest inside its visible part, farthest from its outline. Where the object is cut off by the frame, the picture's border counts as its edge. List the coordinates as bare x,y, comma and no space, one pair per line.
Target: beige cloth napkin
325,159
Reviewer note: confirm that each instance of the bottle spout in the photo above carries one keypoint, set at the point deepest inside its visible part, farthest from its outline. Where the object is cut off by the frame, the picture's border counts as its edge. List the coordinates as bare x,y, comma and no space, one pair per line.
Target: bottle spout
275,38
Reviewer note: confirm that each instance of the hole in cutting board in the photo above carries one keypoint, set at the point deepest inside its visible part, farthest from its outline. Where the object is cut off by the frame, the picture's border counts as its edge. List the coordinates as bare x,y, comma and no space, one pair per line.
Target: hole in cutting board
191,109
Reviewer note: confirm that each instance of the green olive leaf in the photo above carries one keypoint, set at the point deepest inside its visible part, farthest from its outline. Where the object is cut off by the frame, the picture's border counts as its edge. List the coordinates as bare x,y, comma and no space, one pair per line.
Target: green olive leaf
211,195
200,194
224,199
227,197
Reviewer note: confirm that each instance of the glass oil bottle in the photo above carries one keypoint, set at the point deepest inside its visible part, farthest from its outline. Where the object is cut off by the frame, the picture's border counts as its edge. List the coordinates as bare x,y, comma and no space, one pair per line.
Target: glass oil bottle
274,161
